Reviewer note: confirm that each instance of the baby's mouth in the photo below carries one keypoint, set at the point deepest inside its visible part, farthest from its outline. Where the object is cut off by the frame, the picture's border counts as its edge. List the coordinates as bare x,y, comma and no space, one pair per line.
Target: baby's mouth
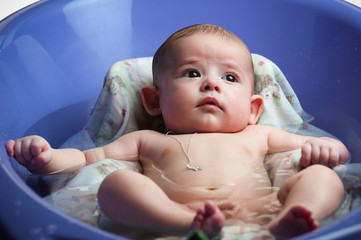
209,102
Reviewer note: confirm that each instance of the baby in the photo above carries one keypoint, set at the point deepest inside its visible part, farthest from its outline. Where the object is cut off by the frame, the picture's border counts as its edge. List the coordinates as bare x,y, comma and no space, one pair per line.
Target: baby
209,166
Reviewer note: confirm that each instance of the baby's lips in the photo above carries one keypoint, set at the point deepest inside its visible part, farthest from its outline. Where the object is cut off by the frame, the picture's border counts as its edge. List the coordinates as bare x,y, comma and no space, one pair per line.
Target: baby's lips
209,101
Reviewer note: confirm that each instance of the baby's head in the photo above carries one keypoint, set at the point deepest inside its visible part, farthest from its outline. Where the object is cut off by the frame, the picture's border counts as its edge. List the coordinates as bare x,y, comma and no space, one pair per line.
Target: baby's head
203,82
160,60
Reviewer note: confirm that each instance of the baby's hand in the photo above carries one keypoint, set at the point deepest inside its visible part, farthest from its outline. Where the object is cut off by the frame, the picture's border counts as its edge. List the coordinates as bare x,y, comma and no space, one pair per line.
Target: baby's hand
33,152
325,151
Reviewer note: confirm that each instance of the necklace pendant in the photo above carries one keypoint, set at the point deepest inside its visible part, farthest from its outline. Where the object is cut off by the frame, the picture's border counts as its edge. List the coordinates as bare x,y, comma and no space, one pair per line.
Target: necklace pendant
189,164
194,168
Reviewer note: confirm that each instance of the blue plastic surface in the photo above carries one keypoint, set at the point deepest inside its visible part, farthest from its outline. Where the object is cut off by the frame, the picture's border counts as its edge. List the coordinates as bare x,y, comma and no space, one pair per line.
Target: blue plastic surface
54,55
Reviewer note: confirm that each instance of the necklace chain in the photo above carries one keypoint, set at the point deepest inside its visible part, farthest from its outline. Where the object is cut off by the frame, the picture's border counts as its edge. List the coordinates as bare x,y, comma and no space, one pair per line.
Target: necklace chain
189,164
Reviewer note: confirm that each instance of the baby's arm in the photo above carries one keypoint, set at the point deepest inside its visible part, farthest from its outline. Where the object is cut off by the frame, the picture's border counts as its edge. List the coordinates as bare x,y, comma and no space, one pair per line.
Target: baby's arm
36,154
324,150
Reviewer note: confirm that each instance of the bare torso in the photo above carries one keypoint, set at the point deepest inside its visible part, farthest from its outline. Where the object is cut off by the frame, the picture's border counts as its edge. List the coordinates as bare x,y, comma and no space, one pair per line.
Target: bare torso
232,170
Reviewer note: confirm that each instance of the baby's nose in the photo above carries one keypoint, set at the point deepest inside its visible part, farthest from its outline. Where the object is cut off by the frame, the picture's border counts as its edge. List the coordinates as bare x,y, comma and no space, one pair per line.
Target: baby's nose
211,84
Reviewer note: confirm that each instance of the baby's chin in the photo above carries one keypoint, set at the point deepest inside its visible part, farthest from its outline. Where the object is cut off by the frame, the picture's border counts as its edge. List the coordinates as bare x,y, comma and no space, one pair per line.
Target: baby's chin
204,129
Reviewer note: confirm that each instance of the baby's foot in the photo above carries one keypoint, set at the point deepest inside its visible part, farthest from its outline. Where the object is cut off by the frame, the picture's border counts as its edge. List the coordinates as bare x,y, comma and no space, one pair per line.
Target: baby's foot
296,221
210,220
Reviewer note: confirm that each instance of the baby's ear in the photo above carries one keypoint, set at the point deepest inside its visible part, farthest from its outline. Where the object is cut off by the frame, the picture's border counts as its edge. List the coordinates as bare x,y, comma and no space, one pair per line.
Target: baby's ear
256,109
150,100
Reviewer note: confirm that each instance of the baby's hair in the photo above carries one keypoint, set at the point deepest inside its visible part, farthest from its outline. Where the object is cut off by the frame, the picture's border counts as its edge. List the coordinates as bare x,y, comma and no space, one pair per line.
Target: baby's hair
158,60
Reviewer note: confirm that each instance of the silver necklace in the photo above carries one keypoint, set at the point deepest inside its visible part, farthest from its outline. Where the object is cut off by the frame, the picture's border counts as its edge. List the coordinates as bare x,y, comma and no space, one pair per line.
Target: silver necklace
189,164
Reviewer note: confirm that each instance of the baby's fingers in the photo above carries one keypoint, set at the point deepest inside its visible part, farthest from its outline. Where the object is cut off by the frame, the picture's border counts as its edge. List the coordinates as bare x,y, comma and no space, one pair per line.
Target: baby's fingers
306,155
26,149
334,158
9,146
324,156
329,156
29,148
40,153
38,146
313,154
18,152
323,153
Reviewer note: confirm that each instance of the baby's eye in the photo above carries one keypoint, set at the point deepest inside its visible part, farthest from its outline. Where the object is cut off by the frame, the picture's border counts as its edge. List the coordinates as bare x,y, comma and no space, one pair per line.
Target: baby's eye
230,78
192,74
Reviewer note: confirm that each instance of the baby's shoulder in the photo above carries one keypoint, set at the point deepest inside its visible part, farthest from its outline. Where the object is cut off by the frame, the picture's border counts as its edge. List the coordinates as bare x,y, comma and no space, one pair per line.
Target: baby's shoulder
255,129
150,137
263,131
140,136
148,134
262,128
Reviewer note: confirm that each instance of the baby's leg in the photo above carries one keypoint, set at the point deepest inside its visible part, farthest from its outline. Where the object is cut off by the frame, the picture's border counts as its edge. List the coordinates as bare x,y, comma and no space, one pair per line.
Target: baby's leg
133,199
308,196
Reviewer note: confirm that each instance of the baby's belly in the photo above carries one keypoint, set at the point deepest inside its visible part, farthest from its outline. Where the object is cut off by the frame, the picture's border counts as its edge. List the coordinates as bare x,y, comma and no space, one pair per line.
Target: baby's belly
191,187
235,190
234,202
220,194
245,198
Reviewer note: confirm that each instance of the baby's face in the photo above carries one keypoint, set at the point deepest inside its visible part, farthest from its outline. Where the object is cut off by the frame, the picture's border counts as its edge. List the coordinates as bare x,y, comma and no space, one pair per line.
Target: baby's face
206,85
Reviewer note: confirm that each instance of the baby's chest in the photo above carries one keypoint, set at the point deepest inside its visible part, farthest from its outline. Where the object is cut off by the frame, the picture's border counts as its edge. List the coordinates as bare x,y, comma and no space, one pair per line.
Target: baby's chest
208,159
212,168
